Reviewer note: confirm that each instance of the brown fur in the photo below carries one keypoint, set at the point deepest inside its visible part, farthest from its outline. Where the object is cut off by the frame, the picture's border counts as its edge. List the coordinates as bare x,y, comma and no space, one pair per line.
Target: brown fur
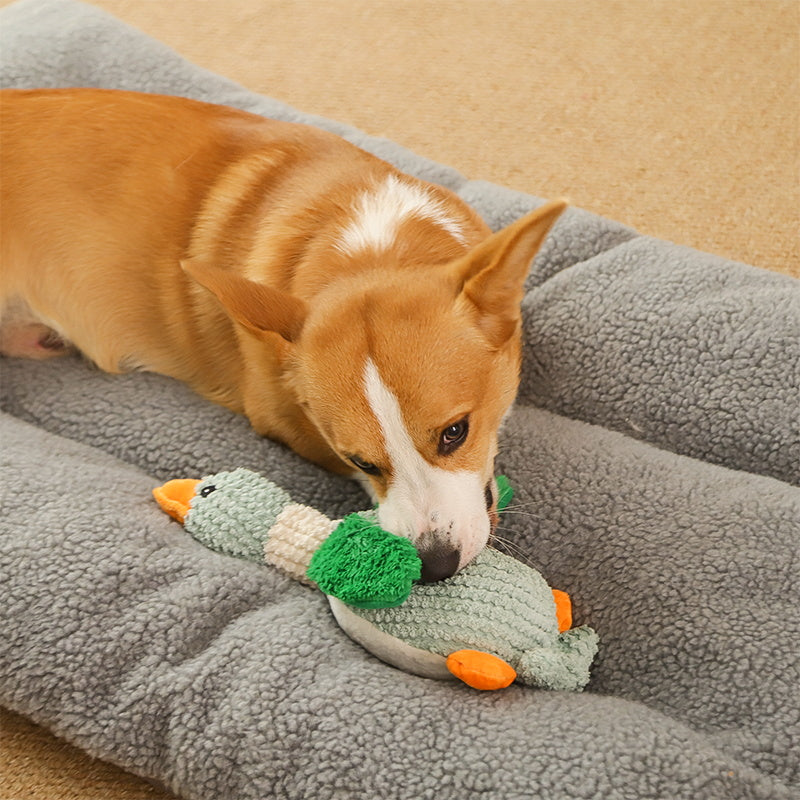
198,241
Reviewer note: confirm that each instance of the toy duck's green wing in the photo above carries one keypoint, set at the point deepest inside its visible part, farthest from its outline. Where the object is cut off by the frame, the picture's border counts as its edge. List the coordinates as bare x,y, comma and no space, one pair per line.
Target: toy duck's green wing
363,565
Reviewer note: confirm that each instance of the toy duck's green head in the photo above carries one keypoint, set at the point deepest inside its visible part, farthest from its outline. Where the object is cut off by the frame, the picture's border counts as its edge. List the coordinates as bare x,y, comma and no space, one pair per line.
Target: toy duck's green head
230,512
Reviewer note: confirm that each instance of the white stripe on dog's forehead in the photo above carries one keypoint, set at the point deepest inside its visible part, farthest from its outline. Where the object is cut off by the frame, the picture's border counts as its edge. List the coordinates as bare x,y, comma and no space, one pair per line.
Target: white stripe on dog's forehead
424,499
380,211
397,440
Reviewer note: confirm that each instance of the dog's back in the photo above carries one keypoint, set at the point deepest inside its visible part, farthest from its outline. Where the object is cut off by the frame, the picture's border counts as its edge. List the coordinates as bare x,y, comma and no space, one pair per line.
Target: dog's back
101,194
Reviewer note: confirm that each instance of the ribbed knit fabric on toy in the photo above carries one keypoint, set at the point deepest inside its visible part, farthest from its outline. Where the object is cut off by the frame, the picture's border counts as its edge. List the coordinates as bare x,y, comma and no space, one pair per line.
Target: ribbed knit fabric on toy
494,622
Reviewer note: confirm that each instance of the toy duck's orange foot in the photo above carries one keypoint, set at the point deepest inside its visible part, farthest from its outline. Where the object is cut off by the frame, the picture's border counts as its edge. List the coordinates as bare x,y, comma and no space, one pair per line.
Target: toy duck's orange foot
563,610
175,496
481,670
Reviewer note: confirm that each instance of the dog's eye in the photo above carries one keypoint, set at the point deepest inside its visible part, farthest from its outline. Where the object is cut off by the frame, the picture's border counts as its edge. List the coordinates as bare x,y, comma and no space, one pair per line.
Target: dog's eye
365,466
453,436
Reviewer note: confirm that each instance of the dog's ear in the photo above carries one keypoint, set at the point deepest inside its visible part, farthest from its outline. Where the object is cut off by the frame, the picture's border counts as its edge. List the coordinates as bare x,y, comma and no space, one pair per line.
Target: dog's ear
261,309
492,274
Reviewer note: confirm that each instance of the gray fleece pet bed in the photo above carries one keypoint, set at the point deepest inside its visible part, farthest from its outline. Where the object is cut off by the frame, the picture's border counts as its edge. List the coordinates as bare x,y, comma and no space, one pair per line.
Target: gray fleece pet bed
655,448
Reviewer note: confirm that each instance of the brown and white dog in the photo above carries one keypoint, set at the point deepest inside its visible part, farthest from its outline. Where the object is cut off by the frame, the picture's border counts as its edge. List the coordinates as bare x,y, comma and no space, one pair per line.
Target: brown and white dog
367,319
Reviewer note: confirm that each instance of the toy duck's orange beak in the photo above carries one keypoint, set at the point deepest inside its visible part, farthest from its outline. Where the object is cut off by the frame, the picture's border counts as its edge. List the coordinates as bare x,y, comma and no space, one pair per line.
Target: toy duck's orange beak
175,496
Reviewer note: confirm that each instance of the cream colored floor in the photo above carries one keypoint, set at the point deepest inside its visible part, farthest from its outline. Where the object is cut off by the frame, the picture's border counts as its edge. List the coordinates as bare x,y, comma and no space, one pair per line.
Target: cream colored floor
679,118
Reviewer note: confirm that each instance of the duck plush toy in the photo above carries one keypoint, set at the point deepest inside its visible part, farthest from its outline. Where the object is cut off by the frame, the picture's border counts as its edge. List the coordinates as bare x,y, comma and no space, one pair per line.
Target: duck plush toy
494,622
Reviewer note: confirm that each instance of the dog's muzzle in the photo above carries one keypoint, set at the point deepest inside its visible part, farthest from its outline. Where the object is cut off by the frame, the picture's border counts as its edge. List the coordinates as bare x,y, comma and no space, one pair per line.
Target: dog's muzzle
441,560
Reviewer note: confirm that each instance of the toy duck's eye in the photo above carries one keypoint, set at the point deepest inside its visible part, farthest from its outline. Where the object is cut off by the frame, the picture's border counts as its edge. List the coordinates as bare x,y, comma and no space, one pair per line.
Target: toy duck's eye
206,490
453,436
365,466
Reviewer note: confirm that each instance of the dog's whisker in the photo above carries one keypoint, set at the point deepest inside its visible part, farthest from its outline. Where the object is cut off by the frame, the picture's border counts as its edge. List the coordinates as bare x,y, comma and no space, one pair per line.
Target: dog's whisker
506,546
521,513
518,504
511,548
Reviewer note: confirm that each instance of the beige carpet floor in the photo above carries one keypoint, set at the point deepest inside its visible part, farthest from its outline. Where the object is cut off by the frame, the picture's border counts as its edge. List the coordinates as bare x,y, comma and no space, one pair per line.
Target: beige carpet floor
679,118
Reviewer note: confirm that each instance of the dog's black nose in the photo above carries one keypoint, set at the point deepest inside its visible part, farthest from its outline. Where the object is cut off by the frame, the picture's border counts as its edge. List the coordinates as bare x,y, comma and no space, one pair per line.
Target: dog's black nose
439,563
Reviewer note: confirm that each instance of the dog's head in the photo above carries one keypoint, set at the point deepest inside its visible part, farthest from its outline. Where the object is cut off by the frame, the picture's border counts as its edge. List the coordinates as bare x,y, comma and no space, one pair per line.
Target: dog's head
407,375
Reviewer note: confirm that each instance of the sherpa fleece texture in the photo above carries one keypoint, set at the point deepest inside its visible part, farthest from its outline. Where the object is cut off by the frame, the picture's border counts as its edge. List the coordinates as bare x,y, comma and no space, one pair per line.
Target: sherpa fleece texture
655,450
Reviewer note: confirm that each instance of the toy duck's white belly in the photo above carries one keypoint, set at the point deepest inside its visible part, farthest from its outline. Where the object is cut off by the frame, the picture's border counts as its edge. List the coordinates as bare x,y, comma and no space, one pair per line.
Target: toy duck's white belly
386,647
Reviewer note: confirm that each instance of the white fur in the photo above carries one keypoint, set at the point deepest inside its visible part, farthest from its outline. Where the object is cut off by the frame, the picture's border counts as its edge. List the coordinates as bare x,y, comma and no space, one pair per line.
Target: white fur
380,212
423,498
